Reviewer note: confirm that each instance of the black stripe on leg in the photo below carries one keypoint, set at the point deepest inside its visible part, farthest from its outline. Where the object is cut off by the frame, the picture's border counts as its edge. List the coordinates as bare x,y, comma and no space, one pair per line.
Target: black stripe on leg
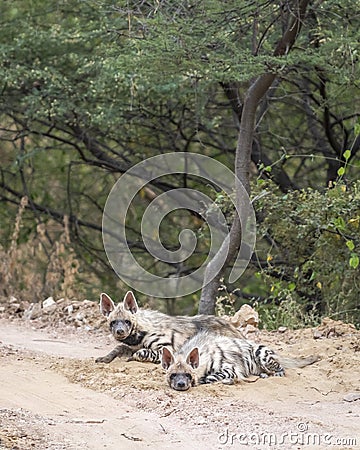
258,350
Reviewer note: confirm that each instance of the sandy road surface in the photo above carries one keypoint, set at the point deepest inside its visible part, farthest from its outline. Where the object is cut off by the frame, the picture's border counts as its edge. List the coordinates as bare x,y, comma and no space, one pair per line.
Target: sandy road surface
69,415
53,396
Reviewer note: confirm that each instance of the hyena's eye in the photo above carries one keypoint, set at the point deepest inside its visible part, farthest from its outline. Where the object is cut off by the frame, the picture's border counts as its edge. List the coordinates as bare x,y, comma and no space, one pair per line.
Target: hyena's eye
112,323
127,322
188,376
172,376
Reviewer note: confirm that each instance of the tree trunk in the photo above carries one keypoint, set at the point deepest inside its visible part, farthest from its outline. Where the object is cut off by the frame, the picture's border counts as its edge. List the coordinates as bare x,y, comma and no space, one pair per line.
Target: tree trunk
253,96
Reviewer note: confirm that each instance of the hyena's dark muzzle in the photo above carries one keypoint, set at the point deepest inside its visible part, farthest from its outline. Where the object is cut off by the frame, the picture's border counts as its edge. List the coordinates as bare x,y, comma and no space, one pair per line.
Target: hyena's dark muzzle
180,381
120,329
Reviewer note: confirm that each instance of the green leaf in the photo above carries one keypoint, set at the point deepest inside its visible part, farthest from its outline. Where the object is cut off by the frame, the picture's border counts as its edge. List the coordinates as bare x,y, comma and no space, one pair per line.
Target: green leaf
291,286
313,276
350,245
347,154
339,223
341,171
357,129
354,261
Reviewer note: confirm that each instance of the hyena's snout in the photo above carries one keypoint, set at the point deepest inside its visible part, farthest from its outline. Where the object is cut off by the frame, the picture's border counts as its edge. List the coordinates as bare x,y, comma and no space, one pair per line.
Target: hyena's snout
180,381
120,329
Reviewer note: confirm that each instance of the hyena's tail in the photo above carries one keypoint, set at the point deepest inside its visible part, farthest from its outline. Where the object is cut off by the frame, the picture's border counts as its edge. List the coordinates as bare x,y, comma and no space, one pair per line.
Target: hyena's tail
293,363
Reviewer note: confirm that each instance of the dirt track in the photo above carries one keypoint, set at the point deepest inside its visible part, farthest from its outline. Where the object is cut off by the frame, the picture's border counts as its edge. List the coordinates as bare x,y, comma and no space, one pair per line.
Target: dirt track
61,414
52,395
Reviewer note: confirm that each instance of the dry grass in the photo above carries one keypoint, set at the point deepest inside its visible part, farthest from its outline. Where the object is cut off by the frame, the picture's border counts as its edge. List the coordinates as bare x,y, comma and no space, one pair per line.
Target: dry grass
45,264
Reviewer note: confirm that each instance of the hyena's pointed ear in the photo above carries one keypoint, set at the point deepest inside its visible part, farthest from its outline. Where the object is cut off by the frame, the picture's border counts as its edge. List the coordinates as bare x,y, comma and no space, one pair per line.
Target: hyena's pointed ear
106,304
193,358
167,358
130,302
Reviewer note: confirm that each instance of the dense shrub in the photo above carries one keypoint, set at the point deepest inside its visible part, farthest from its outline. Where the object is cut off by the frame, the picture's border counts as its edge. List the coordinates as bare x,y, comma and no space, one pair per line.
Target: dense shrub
308,254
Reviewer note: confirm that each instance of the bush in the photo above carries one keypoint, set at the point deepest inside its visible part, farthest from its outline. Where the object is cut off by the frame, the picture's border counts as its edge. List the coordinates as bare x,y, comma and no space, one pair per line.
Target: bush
307,254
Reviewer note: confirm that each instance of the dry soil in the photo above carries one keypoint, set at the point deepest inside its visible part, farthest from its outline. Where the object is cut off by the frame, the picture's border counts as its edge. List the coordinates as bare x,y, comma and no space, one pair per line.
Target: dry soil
54,396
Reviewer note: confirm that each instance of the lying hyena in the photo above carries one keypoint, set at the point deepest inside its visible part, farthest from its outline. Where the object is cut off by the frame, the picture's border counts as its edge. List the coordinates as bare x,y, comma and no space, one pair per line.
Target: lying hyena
207,358
143,333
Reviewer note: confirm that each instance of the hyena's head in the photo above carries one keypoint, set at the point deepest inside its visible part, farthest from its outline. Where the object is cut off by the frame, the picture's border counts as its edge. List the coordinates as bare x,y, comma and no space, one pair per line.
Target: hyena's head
121,318
181,372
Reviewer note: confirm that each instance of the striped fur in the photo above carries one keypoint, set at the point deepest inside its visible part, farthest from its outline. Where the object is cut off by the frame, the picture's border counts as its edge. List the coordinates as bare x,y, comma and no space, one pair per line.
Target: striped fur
207,358
143,333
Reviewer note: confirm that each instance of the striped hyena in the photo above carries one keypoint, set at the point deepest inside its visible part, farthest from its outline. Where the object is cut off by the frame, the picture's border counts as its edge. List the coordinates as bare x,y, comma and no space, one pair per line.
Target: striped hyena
207,358
143,332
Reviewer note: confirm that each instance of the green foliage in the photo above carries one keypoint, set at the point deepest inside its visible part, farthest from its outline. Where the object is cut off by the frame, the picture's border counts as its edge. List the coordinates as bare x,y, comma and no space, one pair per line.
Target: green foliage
288,312
90,88
308,248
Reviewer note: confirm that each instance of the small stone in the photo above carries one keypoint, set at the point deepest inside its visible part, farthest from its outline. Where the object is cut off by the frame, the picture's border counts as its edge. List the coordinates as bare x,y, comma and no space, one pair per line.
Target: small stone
352,396
69,309
79,316
33,311
282,329
246,315
317,334
250,331
48,302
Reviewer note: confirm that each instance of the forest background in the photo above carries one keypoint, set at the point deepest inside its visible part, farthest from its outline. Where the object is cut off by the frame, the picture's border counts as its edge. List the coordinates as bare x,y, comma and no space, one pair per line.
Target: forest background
91,88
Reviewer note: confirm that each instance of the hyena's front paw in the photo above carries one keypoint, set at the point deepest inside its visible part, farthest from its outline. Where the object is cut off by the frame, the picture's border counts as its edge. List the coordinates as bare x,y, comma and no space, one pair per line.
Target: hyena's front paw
120,350
104,359
228,381
217,379
209,379
226,377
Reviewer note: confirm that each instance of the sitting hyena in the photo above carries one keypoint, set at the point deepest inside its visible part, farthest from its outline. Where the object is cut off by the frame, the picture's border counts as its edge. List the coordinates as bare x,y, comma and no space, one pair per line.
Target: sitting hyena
143,332
208,358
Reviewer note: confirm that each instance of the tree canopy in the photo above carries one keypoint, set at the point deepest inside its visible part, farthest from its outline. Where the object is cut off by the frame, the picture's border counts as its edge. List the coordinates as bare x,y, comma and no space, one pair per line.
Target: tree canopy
89,89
